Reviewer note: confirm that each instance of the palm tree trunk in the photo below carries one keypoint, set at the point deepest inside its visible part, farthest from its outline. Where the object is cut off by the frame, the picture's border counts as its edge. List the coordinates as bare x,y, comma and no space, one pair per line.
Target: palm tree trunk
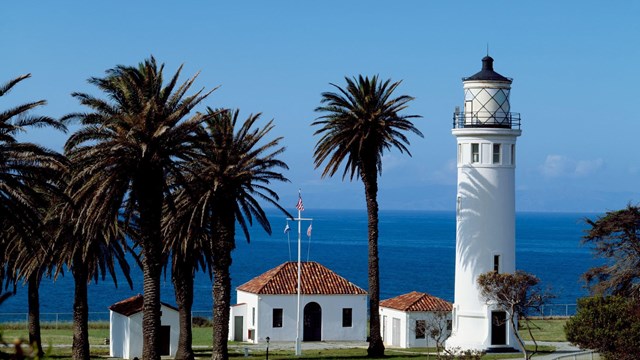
151,320
370,181
34,312
80,348
223,244
182,275
148,188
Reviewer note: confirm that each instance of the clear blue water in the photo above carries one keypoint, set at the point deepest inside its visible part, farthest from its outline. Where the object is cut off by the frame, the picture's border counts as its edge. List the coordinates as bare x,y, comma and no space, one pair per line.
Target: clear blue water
417,252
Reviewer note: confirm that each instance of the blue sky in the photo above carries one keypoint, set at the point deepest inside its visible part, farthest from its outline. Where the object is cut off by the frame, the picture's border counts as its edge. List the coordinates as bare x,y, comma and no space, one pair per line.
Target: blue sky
576,70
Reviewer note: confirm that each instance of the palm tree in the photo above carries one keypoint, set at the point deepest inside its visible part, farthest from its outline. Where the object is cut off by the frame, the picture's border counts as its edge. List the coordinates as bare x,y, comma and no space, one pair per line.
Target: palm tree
128,145
28,174
237,166
189,251
88,257
25,167
361,121
19,251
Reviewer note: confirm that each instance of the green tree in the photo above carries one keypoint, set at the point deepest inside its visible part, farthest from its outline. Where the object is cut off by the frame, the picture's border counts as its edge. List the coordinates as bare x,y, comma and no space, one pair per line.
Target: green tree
615,237
128,145
518,295
360,122
28,174
609,325
237,165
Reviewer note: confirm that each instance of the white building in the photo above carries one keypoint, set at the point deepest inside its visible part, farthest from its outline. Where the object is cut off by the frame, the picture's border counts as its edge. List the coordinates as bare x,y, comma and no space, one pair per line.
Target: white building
332,308
486,133
407,319
125,329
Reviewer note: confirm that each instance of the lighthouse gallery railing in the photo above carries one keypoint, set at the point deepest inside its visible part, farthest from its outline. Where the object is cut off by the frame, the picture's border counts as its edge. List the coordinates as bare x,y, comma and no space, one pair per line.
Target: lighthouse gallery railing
484,119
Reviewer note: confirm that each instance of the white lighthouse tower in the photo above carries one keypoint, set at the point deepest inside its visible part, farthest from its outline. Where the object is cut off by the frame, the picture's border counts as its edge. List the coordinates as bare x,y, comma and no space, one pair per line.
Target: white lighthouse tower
486,132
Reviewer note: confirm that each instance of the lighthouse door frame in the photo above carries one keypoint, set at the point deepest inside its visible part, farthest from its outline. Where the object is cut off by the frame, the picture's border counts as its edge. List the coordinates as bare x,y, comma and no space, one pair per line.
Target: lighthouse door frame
498,328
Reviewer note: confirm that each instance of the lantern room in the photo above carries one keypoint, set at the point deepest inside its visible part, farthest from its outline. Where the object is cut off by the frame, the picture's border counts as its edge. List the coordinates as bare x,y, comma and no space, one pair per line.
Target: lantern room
486,100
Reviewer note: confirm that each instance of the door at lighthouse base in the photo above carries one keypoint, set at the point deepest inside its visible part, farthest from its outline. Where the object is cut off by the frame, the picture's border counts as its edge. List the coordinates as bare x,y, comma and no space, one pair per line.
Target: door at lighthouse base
498,328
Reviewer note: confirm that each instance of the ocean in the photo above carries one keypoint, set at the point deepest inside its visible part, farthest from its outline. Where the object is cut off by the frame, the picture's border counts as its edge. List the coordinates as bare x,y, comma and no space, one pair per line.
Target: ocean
417,252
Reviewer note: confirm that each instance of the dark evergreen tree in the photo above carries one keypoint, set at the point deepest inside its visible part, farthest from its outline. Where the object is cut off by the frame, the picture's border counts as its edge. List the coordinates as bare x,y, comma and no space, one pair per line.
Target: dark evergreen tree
615,237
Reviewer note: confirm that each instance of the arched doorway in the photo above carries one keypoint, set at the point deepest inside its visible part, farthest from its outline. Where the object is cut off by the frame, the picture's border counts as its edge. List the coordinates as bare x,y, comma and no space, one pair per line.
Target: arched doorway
312,322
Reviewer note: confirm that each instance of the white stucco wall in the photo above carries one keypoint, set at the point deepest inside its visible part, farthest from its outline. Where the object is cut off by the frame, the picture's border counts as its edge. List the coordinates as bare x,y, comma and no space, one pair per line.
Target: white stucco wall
485,228
126,333
238,310
485,212
135,337
118,332
407,334
249,302
171,317
331,306
485,221
387,316
429,318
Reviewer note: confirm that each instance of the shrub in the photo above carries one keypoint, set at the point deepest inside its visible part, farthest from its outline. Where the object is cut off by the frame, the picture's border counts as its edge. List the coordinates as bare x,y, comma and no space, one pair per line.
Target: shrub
609,325
198,321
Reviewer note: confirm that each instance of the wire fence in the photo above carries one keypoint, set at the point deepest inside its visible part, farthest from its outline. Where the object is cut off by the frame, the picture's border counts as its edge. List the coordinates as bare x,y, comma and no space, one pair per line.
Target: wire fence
587,355
560,310
57,320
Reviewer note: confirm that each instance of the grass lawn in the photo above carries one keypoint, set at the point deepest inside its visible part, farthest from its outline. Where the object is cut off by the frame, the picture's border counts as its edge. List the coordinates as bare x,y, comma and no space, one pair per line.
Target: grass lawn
545,330
61,334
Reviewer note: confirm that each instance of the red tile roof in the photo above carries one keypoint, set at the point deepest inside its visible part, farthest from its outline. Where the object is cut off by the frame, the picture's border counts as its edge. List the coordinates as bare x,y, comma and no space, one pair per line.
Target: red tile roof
315,280
132,305
416,301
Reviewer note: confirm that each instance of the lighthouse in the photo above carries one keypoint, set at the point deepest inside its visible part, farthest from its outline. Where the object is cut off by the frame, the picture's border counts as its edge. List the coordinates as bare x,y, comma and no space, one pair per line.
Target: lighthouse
486,131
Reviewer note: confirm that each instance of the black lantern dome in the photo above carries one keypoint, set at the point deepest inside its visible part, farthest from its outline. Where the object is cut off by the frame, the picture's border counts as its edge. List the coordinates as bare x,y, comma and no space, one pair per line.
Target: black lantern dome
487,73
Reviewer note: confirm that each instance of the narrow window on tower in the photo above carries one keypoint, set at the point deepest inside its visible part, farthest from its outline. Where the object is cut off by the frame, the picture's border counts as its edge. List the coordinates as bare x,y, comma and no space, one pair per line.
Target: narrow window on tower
475,153
459,153
496,153
513,154
496,263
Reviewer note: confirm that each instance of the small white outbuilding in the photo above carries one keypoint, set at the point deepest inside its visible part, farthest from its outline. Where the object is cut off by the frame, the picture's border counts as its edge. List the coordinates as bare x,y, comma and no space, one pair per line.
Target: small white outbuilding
125,329
332,308
406,320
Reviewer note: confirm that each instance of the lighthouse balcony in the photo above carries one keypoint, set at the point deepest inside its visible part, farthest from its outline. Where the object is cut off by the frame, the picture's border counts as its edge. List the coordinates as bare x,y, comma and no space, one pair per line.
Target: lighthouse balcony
486,119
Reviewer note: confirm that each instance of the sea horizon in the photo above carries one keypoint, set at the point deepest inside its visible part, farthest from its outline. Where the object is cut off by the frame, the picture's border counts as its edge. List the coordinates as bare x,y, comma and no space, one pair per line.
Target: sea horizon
417,253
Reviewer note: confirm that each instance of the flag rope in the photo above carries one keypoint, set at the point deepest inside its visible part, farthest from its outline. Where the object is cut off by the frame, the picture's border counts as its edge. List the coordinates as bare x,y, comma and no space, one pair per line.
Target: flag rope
287,230
309,241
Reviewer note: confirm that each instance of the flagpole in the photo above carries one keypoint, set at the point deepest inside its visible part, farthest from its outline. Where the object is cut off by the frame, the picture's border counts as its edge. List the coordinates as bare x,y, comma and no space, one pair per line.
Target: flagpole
298,344
299,219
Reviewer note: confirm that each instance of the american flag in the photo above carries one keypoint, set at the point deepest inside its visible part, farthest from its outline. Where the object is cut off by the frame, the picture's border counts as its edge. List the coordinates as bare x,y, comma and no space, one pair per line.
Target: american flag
299,205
